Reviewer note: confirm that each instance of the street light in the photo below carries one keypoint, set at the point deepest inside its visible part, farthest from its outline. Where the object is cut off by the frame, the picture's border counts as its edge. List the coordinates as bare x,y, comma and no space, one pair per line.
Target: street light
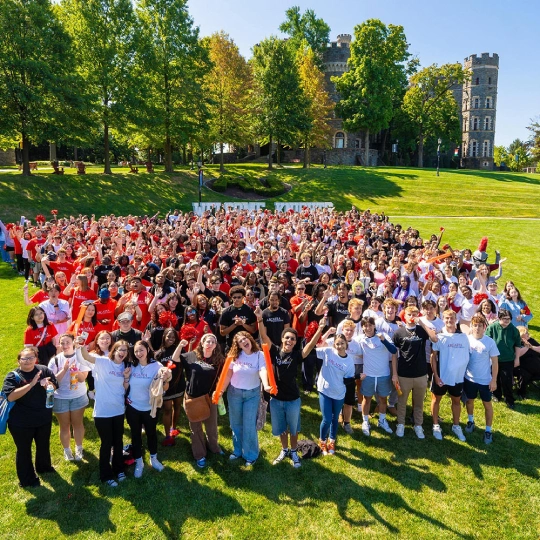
200,165
438,155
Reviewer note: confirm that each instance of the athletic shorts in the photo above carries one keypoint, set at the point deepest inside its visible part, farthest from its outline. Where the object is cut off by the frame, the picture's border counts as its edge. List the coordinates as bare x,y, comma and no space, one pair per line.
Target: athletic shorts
285,416
382,386
454,391
472,390
67,405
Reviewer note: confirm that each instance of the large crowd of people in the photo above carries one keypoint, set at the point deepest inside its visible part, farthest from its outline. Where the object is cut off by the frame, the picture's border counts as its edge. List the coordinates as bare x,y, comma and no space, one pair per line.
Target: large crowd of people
150,318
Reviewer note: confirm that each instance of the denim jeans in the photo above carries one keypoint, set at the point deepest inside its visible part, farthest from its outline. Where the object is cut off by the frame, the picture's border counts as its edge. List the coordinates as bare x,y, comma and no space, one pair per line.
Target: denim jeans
330,409
243,405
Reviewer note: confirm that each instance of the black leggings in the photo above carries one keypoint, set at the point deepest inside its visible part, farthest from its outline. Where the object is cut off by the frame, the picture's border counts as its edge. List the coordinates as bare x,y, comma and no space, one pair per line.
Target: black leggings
23,438
505,382
111,432
136,420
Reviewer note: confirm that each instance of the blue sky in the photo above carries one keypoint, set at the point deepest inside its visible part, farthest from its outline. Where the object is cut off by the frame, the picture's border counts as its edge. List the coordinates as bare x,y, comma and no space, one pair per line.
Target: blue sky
438,32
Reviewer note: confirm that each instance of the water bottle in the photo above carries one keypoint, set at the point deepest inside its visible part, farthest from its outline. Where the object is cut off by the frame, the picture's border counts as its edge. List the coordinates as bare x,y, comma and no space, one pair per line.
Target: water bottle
73,378
221,407
50,396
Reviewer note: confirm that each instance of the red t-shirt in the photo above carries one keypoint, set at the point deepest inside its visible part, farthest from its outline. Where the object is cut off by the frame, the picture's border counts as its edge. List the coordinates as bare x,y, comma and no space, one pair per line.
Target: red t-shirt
299,326
77,298
245,268
292,265
85,327
32,337
66,267
33,246
105,311
39,297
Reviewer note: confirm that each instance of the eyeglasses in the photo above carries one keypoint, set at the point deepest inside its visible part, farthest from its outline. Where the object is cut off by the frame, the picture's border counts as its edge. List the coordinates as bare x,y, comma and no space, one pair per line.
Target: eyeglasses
27,358
236,297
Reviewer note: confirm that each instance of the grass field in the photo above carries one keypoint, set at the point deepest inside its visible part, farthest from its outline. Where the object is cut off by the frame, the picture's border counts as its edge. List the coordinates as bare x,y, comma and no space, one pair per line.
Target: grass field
381,486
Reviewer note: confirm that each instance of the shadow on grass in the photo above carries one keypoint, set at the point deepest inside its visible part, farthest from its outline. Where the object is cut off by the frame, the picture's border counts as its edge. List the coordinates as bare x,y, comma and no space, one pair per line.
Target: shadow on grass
500,177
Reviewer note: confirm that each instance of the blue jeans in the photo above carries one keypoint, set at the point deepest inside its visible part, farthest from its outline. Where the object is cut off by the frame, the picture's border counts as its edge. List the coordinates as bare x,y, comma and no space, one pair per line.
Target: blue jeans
330,409
243,406
3,252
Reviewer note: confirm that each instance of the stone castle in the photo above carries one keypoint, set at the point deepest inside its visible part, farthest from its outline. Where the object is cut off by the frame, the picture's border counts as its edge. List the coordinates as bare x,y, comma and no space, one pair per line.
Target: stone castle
476,99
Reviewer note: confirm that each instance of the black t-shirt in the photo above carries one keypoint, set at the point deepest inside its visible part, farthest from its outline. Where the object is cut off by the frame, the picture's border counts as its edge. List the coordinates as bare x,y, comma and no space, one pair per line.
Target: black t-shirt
303,272
209,293
131,337
411,346
531,358
274,322
201,377
29,411
227,318
283,302
338,311
101,272
285,367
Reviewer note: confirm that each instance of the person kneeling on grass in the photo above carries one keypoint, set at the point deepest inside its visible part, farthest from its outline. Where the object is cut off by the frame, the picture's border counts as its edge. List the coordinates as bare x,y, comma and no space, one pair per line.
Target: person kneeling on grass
377,353
481,374
448,372
285,405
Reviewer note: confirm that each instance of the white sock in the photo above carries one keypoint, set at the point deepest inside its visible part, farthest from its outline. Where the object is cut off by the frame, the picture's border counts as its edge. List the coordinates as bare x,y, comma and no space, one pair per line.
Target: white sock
366,417
382,417
471,417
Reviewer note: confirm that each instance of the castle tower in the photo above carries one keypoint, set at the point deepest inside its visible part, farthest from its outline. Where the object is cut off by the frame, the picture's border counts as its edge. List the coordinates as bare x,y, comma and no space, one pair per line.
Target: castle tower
478,111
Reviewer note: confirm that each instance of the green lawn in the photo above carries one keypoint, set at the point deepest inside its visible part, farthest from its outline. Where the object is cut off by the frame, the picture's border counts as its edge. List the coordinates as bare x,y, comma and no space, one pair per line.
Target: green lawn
380,486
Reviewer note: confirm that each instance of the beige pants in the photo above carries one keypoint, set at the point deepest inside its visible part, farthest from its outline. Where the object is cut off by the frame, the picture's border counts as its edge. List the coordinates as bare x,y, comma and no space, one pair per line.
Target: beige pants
201,441
418,387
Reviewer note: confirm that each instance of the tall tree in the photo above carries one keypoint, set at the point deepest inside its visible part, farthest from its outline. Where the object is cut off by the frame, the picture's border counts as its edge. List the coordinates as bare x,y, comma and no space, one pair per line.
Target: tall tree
174,63
500,155
308,27
227,86
534,141
280,105
320,107
431,106
519,155
377,72
39,95
105,36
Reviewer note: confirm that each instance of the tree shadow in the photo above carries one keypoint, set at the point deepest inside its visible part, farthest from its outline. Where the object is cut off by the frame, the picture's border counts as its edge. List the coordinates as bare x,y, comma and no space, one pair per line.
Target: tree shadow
68,505
500,176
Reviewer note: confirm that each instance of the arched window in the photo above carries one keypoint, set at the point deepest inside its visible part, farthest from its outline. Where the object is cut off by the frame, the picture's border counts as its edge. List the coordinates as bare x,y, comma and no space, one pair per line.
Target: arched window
339,140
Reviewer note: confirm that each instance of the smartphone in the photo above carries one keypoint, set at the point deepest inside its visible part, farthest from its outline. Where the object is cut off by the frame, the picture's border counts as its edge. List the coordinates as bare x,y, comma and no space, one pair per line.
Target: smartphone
84,335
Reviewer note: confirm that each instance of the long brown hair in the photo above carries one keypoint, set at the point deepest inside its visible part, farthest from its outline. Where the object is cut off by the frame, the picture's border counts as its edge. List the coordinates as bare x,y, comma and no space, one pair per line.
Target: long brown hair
235,349
217,356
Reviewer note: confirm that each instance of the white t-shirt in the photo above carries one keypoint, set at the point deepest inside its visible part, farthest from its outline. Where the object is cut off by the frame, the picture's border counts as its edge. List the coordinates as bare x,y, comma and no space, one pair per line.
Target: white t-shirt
54,313
64,390
353,349
386,327
109,379
139,385
357,331
453,357
376,356
246,370
481,351
334,369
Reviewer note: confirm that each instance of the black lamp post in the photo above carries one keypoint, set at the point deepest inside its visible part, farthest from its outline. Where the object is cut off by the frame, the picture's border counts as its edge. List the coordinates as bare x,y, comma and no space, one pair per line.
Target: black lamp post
438,155
199,164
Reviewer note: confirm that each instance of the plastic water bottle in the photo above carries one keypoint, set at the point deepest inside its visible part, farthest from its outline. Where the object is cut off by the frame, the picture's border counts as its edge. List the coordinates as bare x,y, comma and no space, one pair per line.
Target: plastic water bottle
50,396
221,407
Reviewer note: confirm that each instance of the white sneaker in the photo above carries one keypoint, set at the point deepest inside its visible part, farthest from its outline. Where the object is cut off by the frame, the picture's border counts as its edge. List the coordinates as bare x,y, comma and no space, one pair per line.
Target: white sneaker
458,432
365,428
139,466
154,462
437,432
383,424
419,432
79,453
68,454
400,430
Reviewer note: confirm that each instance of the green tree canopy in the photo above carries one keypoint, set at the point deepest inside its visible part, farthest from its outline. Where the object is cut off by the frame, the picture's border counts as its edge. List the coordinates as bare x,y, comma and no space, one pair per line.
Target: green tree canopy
377,74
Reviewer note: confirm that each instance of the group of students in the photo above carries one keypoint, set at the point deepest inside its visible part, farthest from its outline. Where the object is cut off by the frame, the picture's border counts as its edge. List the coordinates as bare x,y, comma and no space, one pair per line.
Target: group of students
146,316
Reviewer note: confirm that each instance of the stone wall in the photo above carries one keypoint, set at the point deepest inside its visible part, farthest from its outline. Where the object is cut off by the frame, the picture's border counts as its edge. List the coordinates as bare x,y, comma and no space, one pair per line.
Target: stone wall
334,156
7,157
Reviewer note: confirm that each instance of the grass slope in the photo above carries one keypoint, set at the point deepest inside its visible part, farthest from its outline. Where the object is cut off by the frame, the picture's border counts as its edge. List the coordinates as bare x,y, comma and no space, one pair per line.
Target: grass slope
379,486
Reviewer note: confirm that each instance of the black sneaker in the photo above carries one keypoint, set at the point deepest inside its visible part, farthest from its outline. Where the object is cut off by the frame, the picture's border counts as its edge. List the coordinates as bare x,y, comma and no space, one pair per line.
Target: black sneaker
469,428
282,455
488,437
511,406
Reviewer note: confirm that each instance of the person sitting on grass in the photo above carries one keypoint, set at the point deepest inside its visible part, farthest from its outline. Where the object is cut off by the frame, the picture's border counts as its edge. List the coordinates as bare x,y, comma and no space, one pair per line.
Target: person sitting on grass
481,374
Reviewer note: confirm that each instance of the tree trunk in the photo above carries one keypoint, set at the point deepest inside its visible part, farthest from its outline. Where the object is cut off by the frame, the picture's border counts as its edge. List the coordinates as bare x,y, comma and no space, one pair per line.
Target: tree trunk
75,154
270,153
221,162
383,146
107,169
278,159
366,150
52,151
25,155
184,154
421,150
306,155
168,155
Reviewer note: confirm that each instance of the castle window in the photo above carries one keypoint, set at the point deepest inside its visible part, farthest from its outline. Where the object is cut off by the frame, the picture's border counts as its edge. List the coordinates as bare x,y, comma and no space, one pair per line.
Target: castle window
475,123
339,140
485,149
474,149
476,102
489,103
357,144
477,81
489,80
487,123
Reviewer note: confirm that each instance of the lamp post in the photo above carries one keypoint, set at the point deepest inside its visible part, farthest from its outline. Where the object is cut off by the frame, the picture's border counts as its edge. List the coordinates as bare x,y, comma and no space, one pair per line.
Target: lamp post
438,155
199,164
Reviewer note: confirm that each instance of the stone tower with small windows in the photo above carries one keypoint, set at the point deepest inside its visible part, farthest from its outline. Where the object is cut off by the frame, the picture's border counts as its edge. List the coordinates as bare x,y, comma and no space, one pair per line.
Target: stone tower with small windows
478,98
